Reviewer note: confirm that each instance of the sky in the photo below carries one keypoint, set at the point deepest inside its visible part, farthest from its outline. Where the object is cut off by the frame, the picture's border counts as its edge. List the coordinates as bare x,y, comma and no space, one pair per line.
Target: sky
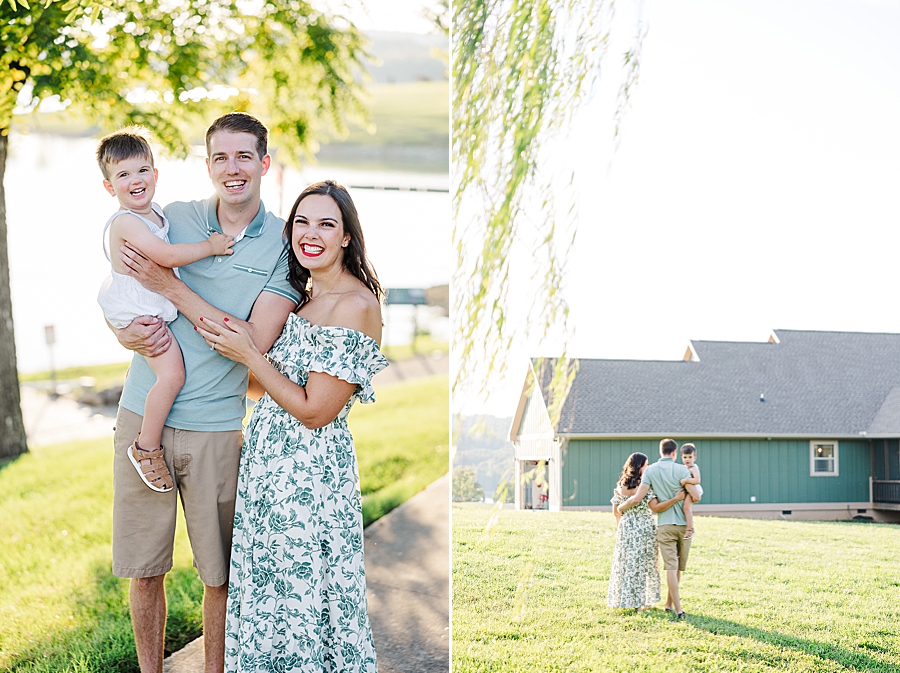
755,186
404,16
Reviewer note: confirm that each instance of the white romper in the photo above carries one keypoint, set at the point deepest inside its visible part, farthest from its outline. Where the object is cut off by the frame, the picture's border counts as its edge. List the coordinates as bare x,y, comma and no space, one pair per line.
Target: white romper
123,298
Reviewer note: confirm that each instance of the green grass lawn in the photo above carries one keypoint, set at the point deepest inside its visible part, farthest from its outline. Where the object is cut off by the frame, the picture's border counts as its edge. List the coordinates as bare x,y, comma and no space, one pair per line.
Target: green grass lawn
530,595
104,375
406,113
62,608
114,373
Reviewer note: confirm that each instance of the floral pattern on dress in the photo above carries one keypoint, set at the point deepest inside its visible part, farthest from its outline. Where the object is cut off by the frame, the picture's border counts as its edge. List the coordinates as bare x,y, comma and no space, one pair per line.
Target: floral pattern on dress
634,577
297,594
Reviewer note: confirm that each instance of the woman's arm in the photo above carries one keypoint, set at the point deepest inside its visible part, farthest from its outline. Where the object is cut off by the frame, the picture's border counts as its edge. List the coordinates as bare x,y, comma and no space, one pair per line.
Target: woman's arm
656,506
315,405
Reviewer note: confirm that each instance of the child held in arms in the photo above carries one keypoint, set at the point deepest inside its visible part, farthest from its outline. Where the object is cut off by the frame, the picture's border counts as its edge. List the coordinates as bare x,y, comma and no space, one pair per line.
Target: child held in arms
126,162
691,485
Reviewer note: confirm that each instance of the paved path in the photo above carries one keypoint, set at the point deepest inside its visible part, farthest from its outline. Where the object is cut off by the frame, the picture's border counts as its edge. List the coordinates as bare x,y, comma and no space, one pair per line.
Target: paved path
408,579
51,420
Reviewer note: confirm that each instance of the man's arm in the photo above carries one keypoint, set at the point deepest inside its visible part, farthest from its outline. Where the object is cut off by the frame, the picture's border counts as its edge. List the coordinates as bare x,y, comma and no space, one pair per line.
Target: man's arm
266,319
636,498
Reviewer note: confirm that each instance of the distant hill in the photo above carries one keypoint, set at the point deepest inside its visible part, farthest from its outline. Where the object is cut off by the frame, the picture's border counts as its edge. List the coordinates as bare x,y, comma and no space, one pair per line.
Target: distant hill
481,442
409,107
407,57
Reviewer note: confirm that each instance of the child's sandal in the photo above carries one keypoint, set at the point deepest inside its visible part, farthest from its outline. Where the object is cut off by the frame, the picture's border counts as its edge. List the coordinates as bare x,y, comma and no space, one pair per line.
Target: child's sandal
155,473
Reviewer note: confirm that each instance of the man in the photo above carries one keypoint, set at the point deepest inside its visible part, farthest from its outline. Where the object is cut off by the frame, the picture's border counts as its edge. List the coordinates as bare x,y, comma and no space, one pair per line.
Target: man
664,477
203,435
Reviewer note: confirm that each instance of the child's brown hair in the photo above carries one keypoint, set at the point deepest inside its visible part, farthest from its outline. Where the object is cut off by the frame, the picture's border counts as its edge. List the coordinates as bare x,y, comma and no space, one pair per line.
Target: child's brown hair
127,142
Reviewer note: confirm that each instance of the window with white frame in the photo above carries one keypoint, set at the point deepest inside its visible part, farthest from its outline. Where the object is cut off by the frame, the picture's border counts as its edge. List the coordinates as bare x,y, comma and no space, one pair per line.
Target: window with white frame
823,458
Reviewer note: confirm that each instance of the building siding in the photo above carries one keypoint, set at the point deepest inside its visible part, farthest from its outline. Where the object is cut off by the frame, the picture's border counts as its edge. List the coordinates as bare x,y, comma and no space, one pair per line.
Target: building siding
535,434
775,471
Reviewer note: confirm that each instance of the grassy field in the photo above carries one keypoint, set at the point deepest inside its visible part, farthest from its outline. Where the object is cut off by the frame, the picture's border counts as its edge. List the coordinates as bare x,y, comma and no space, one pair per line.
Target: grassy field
402,442
62,608
530,595
114,373
406,113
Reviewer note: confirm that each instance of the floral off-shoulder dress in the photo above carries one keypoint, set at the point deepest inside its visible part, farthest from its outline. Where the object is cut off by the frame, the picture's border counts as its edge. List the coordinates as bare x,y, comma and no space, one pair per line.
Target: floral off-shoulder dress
634,577
297,591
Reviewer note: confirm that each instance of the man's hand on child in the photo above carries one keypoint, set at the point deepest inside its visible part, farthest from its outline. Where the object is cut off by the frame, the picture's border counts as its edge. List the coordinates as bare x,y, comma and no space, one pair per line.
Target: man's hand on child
221,244
148,273
147,335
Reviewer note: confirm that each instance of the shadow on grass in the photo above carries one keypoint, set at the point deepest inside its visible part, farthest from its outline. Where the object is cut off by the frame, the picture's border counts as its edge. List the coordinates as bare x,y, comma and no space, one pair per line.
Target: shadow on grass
100,636
6,462
849,659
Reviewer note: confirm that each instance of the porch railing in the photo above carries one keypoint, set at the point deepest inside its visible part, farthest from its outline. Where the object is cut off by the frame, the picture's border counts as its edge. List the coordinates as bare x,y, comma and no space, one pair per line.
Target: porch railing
884,491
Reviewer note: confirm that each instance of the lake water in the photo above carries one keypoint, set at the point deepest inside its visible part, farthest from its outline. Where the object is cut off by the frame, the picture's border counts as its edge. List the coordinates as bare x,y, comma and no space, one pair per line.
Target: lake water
56,209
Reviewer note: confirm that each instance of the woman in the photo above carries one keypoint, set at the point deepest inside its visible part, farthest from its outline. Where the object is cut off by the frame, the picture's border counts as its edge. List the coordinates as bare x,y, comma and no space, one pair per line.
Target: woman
297,594
634,577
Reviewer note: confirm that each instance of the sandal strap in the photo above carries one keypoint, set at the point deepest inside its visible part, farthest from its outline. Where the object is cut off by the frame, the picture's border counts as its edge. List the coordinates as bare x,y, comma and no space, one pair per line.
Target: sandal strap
144,454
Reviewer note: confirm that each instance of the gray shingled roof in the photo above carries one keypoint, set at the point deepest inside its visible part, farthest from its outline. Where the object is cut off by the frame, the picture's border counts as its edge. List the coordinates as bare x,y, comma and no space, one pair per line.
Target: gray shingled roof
834,384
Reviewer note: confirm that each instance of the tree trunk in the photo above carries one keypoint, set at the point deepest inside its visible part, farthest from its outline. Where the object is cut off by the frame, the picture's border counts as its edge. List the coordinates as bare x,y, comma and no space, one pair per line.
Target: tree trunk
12,428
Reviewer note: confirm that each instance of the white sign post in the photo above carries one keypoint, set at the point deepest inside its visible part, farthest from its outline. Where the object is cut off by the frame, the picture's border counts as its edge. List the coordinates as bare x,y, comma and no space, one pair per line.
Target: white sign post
50,338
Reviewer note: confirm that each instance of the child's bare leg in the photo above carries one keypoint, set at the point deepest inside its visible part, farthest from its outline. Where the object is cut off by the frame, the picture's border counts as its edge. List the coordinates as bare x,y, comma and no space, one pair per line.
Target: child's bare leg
692,491
169,370
689,516
147,456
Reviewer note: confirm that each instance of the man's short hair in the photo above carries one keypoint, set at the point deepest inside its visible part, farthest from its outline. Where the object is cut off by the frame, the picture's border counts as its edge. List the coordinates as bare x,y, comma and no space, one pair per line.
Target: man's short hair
668,446
126,143
688,449
241,122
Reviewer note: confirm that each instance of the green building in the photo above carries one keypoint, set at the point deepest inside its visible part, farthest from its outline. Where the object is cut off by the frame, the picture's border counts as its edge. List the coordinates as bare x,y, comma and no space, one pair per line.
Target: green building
804,426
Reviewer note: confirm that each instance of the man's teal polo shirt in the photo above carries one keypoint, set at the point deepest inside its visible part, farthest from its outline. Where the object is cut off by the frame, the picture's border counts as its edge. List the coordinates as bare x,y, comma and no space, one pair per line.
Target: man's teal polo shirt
213,396
664,477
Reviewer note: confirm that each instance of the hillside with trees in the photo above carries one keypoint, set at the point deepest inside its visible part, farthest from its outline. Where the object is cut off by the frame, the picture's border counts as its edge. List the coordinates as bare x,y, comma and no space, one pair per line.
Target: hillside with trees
481,443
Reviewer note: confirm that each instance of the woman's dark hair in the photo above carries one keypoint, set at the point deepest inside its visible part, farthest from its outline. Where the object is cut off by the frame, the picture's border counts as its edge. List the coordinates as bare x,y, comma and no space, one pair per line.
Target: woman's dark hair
355,259
631,471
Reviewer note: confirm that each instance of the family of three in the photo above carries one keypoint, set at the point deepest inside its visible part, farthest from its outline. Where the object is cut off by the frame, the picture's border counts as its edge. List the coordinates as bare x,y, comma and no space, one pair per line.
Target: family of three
274,515
667,489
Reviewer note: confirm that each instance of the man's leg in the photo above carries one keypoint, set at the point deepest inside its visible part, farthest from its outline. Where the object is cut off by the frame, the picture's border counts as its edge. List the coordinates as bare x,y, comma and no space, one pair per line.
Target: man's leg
147,597
208,485
214,601
674,598
142,541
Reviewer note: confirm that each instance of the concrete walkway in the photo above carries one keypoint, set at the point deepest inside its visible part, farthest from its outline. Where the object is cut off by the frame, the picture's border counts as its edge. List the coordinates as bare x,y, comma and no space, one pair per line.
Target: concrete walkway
408,579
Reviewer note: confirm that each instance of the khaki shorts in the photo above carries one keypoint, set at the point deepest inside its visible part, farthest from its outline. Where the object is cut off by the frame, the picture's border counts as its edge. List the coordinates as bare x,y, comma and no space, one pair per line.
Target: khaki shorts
204,467
673,548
